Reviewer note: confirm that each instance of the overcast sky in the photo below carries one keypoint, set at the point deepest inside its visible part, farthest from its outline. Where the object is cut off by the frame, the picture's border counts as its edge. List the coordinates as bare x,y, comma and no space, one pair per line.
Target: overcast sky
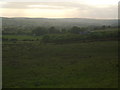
98,9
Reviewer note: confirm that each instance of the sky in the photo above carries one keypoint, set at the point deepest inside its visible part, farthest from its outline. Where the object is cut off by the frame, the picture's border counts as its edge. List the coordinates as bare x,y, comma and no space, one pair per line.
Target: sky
97,9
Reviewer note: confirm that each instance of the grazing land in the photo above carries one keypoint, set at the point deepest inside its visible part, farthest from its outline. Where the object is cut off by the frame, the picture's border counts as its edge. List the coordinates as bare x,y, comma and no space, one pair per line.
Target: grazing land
74,57
77,65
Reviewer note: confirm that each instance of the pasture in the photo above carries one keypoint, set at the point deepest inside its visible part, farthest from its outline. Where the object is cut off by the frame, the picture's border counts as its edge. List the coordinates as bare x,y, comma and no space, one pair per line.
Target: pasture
75,65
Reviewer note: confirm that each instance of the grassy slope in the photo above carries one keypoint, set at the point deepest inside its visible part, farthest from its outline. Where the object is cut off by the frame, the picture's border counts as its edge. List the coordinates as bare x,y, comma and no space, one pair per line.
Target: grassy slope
83,65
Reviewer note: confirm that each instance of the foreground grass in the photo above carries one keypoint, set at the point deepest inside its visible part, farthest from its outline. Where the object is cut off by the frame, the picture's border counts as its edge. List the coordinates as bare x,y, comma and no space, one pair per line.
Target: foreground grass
78,65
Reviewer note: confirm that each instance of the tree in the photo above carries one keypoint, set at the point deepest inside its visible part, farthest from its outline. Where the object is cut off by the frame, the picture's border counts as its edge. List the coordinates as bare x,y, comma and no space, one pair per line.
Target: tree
103,27
45,38
53,30
76,30
39,31
63,30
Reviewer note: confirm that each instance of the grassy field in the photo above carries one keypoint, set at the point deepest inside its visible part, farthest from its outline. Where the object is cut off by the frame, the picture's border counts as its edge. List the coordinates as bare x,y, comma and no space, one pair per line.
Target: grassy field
75,65
21,37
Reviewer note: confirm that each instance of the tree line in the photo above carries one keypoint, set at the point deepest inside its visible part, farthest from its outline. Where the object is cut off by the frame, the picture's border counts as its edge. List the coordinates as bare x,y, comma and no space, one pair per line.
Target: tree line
38,31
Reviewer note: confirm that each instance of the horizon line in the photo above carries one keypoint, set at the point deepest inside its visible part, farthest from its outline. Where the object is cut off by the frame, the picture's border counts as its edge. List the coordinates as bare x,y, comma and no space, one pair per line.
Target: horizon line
64,18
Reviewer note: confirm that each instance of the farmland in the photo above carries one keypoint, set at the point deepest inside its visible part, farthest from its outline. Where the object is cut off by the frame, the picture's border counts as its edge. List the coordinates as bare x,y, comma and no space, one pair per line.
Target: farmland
76,65
52,57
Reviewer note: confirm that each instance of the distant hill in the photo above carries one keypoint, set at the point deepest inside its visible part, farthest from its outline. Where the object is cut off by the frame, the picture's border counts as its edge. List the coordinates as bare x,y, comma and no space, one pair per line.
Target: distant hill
57,22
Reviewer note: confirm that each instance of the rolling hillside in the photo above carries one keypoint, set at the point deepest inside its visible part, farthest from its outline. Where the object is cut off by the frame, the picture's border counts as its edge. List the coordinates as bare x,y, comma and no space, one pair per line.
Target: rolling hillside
57,22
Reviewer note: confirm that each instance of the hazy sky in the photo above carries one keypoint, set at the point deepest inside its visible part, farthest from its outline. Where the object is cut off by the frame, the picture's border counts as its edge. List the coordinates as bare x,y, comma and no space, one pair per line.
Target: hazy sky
100,9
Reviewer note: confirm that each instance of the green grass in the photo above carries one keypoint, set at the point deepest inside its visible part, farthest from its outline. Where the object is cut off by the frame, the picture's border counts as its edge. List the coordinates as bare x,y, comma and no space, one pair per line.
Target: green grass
107,30
75,65
21,37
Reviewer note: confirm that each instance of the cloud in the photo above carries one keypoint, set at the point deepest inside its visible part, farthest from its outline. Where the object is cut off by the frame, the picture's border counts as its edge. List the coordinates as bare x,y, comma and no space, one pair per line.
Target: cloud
20,5
110,12
61,9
